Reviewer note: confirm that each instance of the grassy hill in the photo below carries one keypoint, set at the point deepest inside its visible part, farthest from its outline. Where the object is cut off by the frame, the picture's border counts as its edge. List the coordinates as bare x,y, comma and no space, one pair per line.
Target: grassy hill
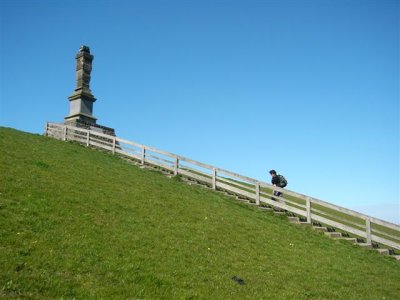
79,223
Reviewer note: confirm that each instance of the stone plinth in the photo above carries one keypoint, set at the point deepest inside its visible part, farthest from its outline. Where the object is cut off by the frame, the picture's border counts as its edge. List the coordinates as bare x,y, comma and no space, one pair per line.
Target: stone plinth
87,125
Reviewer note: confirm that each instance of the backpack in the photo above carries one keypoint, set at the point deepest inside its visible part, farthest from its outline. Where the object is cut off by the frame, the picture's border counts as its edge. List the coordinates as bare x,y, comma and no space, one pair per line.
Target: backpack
282,181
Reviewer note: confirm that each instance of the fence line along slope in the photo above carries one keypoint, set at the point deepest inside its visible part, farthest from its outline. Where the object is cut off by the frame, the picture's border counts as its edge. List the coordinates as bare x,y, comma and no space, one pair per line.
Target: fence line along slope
369,231
78,223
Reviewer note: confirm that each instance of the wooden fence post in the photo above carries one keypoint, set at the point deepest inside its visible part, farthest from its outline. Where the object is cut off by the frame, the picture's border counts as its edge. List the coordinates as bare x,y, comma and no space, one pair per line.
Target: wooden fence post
308,207
257,193
88,138
176,166
214,178
368,230
113,148
143,154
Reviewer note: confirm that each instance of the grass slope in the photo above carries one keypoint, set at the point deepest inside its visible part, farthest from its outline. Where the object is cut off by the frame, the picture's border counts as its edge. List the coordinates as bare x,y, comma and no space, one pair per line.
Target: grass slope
76,222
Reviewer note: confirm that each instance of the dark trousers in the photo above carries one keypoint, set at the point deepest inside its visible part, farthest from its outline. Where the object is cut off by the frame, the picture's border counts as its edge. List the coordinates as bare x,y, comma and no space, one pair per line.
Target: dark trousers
276,193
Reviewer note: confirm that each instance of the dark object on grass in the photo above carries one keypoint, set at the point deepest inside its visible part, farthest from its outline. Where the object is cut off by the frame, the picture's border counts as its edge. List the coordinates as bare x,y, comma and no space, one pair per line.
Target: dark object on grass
375,245
20,267
238,280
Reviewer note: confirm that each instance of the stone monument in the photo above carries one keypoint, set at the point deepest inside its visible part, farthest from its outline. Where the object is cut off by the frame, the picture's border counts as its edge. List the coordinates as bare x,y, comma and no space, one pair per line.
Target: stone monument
81,101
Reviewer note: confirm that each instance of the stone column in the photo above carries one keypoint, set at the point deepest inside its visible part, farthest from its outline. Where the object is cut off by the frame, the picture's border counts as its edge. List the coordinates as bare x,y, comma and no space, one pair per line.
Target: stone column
81,100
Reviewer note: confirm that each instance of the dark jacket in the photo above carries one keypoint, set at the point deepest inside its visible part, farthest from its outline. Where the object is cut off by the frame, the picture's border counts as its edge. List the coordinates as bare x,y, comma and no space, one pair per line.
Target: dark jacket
275,180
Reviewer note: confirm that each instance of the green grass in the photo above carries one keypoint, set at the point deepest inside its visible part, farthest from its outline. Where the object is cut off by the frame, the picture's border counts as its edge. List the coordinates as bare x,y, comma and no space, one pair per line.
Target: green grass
79,223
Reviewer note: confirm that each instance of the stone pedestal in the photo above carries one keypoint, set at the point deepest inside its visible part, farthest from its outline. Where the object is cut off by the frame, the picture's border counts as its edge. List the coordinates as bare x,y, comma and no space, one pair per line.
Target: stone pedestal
87,125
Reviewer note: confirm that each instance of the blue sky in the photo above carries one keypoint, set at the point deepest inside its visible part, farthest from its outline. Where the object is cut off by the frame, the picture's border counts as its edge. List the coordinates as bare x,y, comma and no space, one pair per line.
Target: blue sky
309,88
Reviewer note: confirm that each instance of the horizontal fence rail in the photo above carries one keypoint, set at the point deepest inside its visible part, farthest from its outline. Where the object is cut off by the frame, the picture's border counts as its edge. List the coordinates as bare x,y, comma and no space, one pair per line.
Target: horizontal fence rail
261,193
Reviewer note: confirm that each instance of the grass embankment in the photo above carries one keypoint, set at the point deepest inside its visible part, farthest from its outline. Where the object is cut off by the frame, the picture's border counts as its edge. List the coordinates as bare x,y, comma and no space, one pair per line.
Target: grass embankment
76,222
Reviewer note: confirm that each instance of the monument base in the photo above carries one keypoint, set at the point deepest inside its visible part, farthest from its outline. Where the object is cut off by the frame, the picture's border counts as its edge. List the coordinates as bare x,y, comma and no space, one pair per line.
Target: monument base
90,126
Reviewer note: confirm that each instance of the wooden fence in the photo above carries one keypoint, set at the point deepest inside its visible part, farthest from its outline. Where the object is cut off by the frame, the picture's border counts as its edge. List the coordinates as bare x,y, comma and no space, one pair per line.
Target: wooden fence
261,193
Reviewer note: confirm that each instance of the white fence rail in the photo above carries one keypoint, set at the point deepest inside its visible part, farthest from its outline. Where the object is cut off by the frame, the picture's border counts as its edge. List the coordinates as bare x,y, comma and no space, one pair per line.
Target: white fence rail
261,193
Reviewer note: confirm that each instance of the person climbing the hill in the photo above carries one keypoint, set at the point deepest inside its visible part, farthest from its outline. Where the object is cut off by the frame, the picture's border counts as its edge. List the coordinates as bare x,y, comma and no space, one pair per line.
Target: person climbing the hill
279,181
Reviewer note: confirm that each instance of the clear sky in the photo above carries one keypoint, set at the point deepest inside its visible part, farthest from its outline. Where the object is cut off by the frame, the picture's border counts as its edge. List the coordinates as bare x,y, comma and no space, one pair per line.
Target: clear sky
307,87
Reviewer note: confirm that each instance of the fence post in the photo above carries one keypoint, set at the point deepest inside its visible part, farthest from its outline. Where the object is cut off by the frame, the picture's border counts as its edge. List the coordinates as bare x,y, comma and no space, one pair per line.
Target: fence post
257,193
308,207
368,230
113,148
214,178
143,154
176,166
88,138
